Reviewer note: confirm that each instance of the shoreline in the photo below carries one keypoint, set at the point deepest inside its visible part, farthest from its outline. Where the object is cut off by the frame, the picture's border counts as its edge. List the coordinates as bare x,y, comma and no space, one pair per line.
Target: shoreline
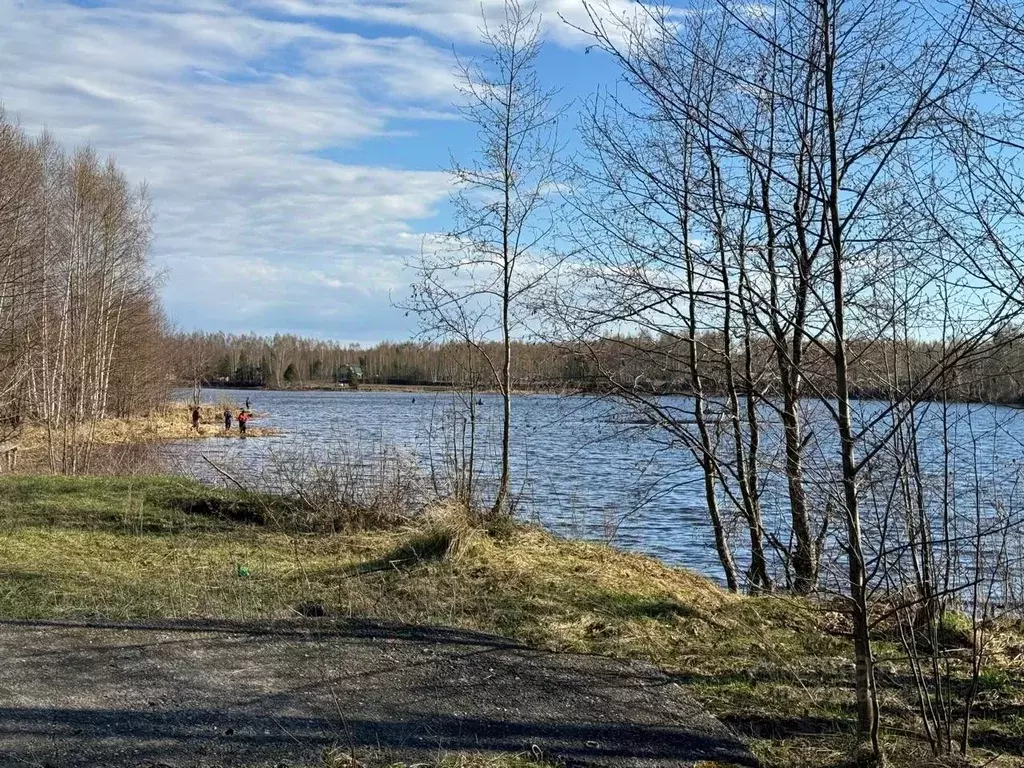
565,391
170,422
417,388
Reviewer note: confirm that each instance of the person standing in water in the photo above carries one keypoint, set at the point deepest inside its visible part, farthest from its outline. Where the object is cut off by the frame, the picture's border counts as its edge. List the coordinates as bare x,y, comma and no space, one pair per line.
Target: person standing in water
227,419
247,403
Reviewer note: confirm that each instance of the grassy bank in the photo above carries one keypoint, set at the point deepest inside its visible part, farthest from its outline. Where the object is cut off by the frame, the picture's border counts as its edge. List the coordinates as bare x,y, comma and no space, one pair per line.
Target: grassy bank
778,670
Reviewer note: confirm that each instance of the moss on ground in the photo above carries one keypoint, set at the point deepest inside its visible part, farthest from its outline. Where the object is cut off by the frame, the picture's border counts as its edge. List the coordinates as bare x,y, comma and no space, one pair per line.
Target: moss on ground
776,669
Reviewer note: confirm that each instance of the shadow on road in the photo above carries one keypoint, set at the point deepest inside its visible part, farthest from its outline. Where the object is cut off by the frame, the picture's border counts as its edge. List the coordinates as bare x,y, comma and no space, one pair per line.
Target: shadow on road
337,628
179,736
178,693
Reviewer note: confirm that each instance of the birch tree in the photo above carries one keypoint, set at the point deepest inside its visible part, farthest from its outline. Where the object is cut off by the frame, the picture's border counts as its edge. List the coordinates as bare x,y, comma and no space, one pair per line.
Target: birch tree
77,303
473,285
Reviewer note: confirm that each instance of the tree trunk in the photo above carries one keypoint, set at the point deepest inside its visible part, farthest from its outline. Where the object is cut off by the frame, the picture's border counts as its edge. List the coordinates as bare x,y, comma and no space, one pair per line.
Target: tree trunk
867,700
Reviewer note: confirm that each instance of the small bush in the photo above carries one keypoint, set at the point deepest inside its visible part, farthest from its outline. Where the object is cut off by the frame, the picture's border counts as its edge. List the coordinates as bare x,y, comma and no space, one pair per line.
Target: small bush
338,488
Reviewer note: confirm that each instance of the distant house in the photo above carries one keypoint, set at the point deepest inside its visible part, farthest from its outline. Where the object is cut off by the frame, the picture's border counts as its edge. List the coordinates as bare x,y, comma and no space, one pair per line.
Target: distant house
353,373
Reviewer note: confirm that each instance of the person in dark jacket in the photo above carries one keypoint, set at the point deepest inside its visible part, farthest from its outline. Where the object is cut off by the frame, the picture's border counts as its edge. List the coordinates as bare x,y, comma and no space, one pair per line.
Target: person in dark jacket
227,419
195,418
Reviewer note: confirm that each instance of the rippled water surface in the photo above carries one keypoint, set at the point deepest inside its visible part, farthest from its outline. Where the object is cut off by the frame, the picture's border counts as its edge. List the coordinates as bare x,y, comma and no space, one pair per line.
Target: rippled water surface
580,467
577,468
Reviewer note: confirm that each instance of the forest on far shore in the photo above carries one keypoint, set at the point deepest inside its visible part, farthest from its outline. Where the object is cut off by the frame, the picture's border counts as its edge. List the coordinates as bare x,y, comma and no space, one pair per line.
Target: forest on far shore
994,373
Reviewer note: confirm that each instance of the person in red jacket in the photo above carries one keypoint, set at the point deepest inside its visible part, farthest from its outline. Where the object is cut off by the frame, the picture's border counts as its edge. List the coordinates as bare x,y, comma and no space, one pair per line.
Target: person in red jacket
243,418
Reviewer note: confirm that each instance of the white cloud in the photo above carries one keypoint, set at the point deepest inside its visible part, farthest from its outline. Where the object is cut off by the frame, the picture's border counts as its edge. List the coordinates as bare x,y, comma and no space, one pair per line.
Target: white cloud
223,113
456,19
226,109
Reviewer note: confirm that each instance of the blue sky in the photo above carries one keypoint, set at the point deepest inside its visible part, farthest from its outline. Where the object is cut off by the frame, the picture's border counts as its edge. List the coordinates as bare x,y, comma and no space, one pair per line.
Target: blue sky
294,150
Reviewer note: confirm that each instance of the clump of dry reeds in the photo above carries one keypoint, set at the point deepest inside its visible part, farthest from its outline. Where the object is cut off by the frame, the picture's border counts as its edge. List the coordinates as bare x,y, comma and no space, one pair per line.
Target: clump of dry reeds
339,486
173,422
445,532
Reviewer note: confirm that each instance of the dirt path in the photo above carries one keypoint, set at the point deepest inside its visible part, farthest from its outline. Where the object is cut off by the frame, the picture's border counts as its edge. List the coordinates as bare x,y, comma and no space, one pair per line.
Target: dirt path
226,694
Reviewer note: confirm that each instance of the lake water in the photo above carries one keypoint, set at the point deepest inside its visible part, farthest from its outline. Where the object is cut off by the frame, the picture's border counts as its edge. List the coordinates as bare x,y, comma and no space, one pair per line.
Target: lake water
583,467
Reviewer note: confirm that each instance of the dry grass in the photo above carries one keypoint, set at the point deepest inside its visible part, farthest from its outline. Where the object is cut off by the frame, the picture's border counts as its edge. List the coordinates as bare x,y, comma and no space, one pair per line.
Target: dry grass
172,422
778,670
344,486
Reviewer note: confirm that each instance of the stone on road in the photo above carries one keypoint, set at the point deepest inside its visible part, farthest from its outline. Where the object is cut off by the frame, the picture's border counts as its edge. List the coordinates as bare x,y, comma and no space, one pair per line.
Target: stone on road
228,694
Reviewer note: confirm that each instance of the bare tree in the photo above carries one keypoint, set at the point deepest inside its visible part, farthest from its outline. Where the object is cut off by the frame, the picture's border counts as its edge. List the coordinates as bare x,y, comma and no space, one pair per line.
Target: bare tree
20,194
820,125
77,299
473,284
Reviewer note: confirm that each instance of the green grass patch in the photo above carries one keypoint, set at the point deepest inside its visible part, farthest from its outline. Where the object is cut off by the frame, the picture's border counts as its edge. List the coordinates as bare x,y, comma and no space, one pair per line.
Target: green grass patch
125,505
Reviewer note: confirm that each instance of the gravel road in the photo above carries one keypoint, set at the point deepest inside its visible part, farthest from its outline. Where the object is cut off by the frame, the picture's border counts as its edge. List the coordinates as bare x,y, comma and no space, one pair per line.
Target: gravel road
219,694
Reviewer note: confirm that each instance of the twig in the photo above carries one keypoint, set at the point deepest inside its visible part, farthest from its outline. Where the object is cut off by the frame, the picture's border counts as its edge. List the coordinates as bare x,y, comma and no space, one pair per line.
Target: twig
224,473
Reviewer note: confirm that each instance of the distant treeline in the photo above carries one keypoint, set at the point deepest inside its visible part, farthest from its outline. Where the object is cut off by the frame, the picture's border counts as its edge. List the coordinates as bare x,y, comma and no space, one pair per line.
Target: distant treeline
81,332
285,360
994,373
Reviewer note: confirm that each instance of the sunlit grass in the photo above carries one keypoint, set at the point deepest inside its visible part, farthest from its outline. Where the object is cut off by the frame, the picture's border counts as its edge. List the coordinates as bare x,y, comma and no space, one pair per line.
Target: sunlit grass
778,670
